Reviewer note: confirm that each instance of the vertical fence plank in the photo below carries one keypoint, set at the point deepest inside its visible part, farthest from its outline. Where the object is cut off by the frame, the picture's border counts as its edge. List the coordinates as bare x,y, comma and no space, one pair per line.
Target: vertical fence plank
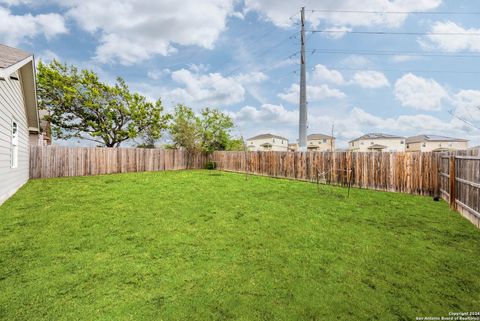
54,161
415,173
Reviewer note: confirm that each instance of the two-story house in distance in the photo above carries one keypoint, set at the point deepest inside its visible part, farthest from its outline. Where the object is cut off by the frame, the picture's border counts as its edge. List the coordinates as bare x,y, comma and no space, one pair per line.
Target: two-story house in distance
267,142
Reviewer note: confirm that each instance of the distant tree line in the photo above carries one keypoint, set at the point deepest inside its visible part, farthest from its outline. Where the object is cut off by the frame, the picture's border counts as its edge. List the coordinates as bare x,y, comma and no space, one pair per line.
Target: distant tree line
81,106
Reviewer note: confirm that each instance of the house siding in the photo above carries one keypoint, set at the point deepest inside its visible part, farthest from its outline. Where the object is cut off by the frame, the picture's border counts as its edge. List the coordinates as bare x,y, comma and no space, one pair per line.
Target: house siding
278,144
12,107
319,146
393,144
432,145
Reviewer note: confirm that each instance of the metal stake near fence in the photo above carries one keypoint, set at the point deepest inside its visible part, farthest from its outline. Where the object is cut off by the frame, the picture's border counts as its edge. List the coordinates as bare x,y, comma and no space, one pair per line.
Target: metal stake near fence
322,176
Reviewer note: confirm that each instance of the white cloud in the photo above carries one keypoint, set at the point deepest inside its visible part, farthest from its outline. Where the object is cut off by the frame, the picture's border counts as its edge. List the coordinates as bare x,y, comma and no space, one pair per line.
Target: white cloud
47,56
348,125
370,79
322,73
355,61
266,113
420,93
253,77
361,121
404,58
363,78
314,93
336,32
15,29
131,31
207,89
467,109
157,74
452,43
279,11
212,89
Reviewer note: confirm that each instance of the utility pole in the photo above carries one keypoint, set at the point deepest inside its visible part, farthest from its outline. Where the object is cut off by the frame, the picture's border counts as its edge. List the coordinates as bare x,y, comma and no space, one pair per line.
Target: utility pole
331,138
302,128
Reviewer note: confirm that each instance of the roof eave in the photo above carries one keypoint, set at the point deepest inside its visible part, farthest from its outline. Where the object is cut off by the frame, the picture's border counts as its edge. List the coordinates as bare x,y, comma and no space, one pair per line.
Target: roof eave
6,72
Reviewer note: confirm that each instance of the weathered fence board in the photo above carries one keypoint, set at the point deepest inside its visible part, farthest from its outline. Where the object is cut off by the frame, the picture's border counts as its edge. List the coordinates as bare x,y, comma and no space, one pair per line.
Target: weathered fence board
460,184
53,161
415,173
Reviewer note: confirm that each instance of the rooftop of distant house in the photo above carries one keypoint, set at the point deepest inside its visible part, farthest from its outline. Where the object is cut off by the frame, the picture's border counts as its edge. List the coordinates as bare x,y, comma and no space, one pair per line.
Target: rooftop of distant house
376,136
433,138
266,136
319,136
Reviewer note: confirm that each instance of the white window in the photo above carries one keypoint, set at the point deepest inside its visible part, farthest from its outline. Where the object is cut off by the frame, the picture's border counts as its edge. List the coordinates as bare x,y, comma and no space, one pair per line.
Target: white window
14,156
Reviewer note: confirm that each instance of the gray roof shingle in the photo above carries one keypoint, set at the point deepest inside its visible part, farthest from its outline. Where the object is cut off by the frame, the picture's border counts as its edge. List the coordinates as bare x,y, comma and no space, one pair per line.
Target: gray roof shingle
10,56
376,136
318,136
433,138
265,136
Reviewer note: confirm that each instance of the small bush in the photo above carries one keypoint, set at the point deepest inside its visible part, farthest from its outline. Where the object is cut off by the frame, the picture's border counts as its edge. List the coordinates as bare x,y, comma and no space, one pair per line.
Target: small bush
211,165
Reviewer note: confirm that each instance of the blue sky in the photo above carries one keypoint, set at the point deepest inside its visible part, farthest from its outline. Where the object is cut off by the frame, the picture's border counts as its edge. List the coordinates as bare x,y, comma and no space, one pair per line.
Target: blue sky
242,57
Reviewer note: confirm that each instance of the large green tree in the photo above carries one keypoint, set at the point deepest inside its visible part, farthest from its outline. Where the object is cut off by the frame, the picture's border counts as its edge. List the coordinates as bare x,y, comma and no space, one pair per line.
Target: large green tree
215,128
82,106
184,128
207,132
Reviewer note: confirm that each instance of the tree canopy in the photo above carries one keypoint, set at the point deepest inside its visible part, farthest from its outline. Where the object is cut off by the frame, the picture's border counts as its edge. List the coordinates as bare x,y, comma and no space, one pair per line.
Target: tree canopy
206,132
82,106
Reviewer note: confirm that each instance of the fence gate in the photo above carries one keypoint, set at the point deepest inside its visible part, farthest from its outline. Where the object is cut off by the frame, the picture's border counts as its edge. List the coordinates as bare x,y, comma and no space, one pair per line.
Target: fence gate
459,178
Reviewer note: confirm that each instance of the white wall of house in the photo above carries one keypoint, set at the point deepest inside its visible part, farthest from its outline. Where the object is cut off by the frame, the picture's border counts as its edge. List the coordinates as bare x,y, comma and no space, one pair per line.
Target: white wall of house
278,145
393,144
429,146
12,109
321,145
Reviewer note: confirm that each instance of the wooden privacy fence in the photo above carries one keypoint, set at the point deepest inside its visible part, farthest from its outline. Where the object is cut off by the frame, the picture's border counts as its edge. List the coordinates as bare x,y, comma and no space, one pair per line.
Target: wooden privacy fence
53,161
460,184
415,172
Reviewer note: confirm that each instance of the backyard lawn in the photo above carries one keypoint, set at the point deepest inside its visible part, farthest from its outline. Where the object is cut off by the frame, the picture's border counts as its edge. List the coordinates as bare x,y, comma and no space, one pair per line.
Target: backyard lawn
208,245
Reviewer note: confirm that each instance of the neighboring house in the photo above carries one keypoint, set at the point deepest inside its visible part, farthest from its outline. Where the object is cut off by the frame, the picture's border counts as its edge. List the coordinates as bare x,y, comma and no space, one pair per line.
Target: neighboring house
266,142
320,143
475,148
43,138
293,147
435,143
377,142
18,117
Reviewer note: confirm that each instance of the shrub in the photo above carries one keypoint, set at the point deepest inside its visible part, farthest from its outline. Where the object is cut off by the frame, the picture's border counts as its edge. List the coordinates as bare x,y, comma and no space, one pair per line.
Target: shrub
211,165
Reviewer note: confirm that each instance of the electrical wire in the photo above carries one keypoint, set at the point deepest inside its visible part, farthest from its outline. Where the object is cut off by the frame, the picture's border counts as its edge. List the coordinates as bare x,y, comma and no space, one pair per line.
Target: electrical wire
463,120
397,12
405,70
399,33
390,53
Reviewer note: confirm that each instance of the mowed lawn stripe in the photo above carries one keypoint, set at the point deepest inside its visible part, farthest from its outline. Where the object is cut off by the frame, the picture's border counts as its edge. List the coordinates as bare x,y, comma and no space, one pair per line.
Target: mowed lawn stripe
208,245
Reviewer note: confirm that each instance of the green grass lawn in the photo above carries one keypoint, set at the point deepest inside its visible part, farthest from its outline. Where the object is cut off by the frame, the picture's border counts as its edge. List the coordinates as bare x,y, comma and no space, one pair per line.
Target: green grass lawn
207,245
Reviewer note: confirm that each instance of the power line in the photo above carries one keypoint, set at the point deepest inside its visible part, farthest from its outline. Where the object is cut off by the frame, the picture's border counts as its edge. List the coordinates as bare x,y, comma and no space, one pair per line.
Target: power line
258,54
402,33
391,53
463,120
404,70
398,12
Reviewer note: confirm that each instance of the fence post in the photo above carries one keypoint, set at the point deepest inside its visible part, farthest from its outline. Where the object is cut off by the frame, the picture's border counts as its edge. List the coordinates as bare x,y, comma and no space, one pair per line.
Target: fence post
453,204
